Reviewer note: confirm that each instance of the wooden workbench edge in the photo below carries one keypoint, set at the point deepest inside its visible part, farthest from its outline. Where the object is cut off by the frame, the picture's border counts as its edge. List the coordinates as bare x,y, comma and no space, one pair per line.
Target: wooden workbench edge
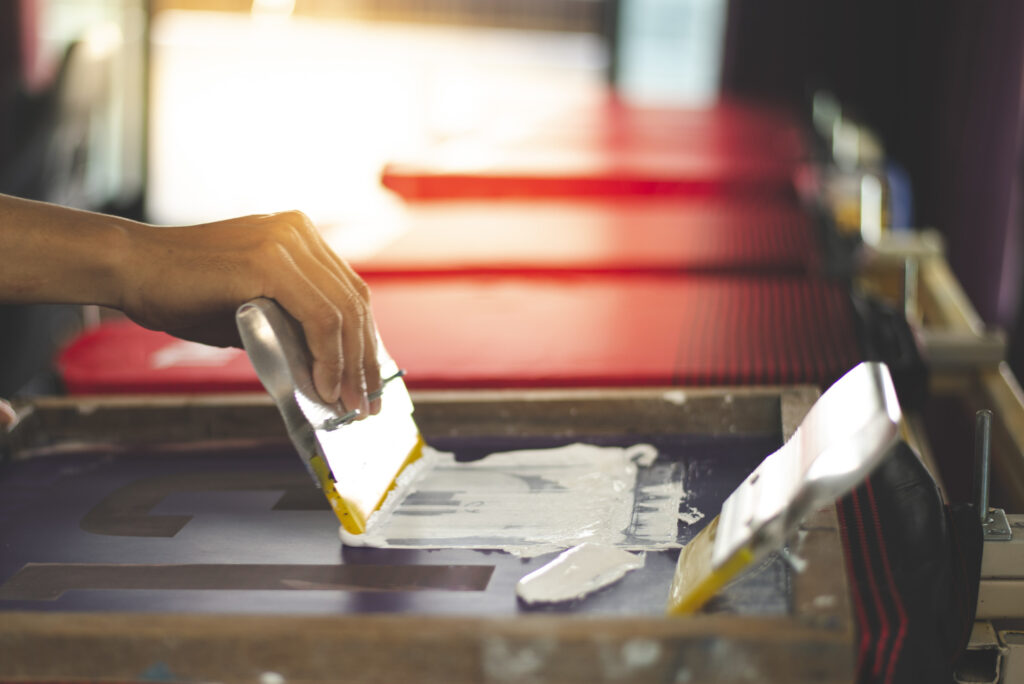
421,649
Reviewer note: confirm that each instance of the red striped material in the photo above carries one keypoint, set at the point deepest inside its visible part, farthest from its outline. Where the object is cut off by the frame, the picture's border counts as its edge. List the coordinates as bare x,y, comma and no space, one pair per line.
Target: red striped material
569,331
605,147
600,236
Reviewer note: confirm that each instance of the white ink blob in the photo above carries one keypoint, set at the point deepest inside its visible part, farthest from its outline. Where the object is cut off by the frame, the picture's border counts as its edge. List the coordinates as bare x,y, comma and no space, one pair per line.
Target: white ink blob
531,502
577,572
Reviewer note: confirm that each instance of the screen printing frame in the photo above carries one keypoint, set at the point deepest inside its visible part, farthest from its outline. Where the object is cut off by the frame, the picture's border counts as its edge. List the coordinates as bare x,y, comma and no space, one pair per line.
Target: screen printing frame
815,642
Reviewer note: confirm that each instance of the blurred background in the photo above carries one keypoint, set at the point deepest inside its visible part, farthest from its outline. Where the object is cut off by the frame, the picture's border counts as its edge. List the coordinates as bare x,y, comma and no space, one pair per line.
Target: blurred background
182,111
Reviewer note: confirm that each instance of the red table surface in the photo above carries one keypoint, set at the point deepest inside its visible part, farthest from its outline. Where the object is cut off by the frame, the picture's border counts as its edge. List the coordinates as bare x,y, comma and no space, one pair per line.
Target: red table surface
607,147
569,173
569,331
624,235
730,125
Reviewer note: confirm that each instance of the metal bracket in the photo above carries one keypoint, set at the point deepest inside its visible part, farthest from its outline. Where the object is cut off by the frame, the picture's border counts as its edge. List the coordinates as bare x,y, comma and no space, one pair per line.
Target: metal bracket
996,527
993,520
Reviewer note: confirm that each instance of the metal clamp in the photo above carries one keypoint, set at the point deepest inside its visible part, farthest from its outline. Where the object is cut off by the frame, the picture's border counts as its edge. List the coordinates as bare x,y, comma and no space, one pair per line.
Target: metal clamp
335,423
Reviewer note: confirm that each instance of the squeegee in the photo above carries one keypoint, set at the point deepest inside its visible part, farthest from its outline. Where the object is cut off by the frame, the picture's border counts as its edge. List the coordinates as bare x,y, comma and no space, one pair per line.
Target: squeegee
354,462
852,427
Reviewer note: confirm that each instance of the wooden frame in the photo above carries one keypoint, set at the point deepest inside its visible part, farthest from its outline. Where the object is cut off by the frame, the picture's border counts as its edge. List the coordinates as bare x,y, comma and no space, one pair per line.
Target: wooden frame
966,359
814,643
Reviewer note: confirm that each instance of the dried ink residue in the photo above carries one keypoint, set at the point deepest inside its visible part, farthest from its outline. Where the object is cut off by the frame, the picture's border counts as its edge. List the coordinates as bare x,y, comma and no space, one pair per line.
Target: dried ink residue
691,516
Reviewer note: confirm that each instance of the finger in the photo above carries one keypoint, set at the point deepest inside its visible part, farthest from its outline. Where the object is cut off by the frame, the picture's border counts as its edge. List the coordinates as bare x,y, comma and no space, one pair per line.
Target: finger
359,334
353,346
369,359
320,318
359,325
332,322
370,363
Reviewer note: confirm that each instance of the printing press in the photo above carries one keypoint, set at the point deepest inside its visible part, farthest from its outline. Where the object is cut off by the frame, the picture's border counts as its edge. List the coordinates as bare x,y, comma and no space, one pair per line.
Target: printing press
608,275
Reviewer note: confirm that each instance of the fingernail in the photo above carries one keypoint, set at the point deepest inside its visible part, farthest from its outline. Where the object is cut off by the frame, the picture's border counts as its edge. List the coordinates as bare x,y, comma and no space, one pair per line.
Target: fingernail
364,404
375,406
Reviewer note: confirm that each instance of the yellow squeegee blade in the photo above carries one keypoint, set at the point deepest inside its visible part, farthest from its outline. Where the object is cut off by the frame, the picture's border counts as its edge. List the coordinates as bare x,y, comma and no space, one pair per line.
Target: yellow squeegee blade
696,580
353,513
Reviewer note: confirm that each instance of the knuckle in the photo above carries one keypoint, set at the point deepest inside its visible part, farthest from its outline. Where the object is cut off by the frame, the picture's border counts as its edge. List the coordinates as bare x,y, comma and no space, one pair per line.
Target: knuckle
327,322
362,289
299,222
323,332
356,306
292,235
294,216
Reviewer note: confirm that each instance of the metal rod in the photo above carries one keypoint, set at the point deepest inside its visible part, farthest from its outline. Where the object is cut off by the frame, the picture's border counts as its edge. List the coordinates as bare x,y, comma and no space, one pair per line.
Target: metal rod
335,423
378,393
982,459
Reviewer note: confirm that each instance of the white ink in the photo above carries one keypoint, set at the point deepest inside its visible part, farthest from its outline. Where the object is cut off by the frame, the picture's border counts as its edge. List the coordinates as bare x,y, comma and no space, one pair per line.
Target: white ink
691,515
577,572
529,502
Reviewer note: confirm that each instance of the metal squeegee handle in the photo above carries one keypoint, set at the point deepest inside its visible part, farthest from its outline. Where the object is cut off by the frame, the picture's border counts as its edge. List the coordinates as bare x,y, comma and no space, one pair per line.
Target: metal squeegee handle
844,436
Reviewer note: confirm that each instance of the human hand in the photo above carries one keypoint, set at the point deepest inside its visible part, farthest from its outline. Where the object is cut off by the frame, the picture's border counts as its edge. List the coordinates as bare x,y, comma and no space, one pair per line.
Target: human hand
189,280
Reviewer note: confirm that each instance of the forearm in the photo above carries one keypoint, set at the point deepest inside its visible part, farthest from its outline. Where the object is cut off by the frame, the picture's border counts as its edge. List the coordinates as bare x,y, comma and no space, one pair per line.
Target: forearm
189,280
54,254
